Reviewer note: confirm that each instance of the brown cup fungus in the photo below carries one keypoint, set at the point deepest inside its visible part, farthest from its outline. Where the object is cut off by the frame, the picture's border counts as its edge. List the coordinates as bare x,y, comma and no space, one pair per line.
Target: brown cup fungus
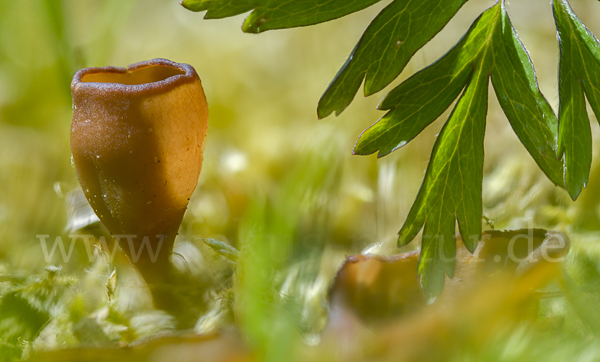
137,139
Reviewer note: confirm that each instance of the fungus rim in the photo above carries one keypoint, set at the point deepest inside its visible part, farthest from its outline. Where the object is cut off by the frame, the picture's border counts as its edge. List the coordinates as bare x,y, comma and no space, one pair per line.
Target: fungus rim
171,82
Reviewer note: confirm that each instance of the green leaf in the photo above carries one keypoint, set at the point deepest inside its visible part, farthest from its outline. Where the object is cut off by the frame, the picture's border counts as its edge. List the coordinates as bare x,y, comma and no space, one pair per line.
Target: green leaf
278,14
528,112
219,9
451,190
452,187
416,103
389,42
579,73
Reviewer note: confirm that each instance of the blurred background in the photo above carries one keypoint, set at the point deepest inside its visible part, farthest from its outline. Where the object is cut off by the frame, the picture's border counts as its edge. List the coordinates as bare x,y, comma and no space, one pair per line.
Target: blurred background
273,176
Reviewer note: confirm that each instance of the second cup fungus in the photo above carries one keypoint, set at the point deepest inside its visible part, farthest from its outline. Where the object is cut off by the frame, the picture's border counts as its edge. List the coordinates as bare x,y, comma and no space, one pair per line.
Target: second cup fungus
137,139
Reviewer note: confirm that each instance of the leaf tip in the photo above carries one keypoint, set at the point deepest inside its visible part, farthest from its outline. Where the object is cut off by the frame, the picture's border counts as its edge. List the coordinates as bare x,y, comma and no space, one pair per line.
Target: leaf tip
432,279
356,151
574,191
321,112
253,24
407,234
191,5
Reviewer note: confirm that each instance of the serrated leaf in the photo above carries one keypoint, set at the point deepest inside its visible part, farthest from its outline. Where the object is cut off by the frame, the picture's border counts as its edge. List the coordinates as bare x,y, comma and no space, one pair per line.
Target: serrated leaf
423,97
416,103
451,190
219,9
385,48
579,73
528,112
278,14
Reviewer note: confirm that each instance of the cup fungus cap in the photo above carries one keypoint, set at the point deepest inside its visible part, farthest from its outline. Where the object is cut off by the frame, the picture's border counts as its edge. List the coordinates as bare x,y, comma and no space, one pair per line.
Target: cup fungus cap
137,139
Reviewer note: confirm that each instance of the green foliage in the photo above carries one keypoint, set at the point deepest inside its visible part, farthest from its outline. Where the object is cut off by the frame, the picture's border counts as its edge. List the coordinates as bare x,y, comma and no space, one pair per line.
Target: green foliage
385,48
276,14
579,72
27,305
452,187
272,242
581,303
